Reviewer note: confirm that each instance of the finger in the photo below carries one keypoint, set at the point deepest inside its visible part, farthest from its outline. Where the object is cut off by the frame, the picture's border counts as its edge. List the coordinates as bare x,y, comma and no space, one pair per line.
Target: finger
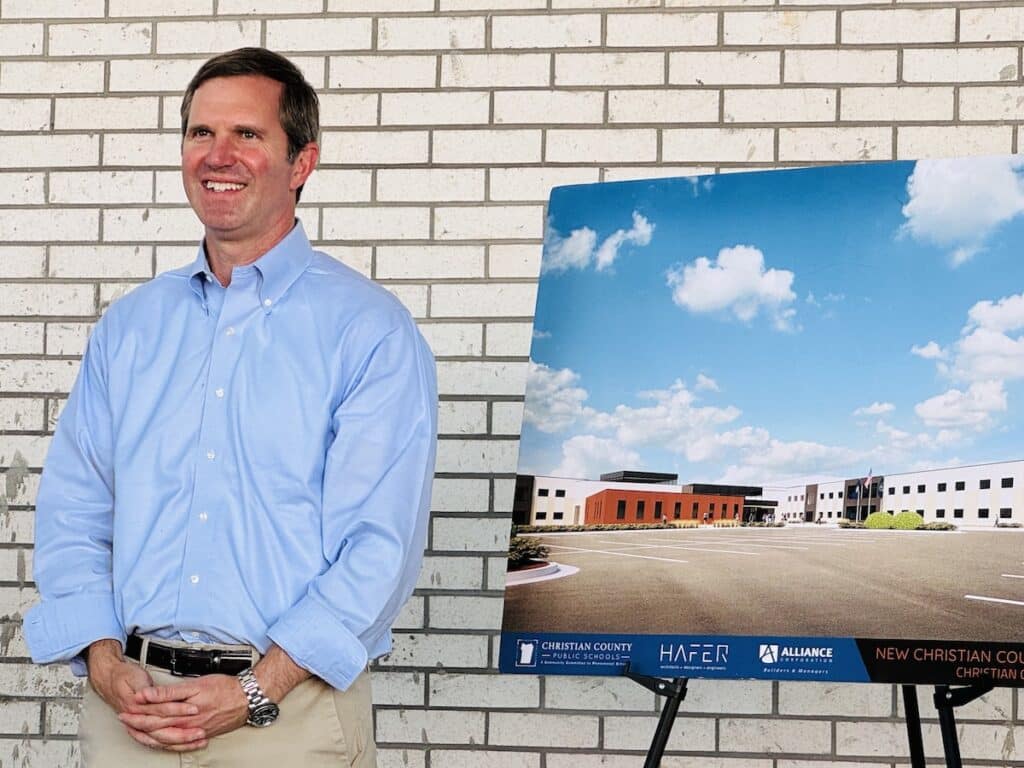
148,741
143,738
168,709
172,736
158,694
150,723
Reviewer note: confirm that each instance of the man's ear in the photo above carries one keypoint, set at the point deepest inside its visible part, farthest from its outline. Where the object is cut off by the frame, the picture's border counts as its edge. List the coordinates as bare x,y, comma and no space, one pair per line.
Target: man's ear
303,165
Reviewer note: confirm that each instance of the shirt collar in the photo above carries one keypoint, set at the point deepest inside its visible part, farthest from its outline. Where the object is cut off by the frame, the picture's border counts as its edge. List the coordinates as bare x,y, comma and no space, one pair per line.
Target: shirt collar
278,268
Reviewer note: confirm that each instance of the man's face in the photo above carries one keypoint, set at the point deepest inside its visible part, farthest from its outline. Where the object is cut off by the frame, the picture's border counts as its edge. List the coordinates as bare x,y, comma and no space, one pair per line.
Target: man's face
234,161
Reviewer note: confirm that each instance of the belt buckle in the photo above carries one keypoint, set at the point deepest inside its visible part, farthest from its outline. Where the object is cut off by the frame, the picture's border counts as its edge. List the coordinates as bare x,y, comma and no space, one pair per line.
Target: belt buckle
173,664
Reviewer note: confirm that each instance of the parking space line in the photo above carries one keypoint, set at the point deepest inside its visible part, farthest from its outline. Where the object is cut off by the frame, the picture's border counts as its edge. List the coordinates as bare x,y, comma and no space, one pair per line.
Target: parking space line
678,546
1012,576
995,600
571,550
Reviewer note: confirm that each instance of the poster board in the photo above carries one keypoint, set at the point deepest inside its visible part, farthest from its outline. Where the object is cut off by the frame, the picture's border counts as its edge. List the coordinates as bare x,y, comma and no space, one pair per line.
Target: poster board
738,385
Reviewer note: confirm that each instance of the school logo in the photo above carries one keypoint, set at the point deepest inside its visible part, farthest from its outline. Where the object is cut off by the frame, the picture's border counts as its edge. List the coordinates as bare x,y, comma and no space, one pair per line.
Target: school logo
526,653
769,654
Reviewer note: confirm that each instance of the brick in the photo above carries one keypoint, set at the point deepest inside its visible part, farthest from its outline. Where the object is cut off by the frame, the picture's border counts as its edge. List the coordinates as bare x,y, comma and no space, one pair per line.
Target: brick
487,146
150,8
497,568
21,39
348,109
99,39
731,697
412,615
780,105
96,113
416,262
997,704
62,717
513,222
477,456
774,736
600,693
718,144
434,108
142,224
331,185
430,727
450,494
662,30
17,526
376,223
170,190
268,6
506,418
631,173
601,145
534,184
439,184
780,28
414,297
810,698
504,489
22,260
19,188
700,761
21,338
810,66
51,76
19,414
16,565
52,9
604,3
663,106
21,717
724,67
610,68
67,338
453,339
39,753
205,36
174,256
885,739
24,114
513,261
901,26
495,70
142,149
101,261
478,378
492,5
29,450
992,24
896,104
935,141
382,71
348,34
483,300
373,6
509,339
153,75
437,32
392,688
101,187
374,147
466,651
37,680
947,65
523,729
546,31
458,417
51,224
690,733
465,612
401,758
40,375
483,691
548,107
834,144
440,758
359,258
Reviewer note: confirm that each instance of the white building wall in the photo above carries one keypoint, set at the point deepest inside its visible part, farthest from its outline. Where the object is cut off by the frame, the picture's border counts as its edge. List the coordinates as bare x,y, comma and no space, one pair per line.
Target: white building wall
573,504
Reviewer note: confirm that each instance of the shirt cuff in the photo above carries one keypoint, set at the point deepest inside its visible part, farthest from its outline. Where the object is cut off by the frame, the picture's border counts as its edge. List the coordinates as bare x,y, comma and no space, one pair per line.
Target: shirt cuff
316,640
59,628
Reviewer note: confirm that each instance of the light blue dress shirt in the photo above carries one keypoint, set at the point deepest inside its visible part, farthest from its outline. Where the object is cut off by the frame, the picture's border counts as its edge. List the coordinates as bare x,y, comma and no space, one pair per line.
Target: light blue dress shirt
249,464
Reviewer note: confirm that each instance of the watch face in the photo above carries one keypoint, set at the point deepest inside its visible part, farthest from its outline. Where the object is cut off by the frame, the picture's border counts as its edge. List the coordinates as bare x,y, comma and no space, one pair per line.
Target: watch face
263,715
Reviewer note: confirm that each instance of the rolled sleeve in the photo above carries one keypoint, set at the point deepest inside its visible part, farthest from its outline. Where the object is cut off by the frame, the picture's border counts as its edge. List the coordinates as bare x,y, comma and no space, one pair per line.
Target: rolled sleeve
376,499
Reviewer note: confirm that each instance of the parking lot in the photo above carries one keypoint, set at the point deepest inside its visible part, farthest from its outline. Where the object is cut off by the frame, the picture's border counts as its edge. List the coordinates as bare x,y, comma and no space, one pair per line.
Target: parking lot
963,585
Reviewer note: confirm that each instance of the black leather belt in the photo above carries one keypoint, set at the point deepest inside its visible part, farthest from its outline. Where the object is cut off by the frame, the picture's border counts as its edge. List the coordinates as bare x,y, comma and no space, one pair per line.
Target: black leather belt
188,662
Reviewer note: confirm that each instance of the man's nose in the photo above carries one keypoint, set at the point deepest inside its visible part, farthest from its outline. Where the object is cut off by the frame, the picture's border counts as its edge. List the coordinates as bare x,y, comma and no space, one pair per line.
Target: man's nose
222,152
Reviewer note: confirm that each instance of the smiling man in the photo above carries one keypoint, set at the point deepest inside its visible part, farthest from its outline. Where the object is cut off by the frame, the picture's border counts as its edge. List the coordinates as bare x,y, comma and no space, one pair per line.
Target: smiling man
234,505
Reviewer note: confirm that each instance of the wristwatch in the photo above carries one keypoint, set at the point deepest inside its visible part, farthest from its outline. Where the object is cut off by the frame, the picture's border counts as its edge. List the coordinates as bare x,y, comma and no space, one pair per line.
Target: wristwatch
262,711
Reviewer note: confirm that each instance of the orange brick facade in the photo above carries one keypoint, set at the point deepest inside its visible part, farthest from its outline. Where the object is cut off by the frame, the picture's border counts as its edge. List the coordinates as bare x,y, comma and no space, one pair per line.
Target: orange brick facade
612,506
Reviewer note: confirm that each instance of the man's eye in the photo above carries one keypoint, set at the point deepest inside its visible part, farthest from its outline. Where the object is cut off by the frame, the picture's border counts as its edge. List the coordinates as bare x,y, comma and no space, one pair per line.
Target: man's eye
248,134
200,132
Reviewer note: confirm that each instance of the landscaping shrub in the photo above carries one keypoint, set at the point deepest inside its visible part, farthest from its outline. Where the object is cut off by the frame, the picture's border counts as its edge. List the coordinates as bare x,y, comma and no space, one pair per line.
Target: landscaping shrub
851,524
727,524
907,521
938,526
522,550
879,521
605,527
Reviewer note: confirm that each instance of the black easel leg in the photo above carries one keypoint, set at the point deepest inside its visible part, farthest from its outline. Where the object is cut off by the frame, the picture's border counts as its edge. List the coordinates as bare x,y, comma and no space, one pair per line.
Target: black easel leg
947,724
668,718
913,714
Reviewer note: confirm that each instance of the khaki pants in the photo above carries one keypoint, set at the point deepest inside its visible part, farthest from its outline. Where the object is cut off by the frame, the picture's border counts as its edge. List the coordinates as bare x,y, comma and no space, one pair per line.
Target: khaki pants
318,727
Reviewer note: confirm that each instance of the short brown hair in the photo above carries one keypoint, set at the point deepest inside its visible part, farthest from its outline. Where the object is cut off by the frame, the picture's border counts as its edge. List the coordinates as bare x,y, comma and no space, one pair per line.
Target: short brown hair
299,110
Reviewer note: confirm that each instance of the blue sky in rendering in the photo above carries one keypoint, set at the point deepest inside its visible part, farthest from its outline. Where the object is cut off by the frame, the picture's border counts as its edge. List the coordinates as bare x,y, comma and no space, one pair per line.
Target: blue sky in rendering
775,326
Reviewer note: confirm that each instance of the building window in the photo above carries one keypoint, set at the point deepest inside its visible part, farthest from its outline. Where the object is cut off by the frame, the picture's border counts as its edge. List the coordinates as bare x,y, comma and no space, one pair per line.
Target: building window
620,510
920,489
1007,482
657,510
735,510
542,491
830,494
960,485
712,509
822,494
801,497
696,510
906,489
559,493
1006,513
640,509
940,513
957,513
840,494
677,511
892,491
920,512
542,515
985,484
942,487
983,513
556,515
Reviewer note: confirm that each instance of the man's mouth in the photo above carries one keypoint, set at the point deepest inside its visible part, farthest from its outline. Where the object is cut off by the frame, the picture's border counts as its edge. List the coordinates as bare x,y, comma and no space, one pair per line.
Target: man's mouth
222,186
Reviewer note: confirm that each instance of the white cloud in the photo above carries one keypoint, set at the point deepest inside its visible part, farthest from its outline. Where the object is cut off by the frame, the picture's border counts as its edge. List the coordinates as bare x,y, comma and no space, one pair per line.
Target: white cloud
986,349
957,203
875,409
1006,314
737,282
639,234
779,462
538,334
930,351
705,383
580,248
553,400
971,408
588,456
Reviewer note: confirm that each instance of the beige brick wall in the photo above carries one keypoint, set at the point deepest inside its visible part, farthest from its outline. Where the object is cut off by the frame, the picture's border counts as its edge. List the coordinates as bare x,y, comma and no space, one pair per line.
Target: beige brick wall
446,122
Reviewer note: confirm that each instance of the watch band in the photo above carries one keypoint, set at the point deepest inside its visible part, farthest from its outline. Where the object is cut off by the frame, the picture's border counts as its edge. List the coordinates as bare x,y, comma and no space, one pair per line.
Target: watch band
262,711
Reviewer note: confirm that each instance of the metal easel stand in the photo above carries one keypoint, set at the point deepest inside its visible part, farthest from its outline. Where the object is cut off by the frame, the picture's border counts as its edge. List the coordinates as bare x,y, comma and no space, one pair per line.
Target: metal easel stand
674,691
946,699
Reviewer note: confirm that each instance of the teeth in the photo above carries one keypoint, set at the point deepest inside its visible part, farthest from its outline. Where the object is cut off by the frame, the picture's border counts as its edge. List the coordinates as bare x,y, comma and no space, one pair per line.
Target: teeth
218,186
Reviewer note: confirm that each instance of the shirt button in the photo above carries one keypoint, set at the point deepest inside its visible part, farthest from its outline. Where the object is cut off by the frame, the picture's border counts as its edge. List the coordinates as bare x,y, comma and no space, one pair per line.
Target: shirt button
211,455
194,579
230,331
267,302
203,516
219,392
